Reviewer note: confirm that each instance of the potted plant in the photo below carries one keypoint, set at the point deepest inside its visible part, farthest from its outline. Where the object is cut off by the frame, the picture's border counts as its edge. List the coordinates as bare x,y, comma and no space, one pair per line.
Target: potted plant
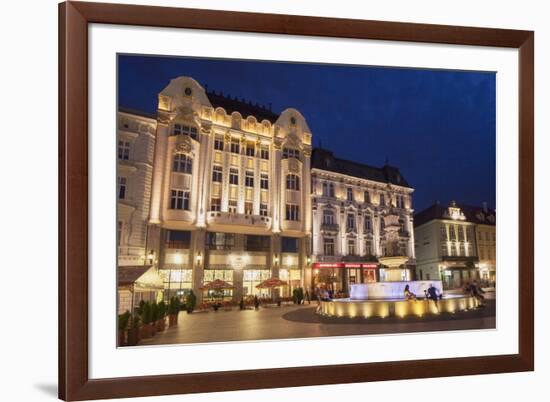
190,302
123,320
134,331
154,317
146,319
173,310
161,317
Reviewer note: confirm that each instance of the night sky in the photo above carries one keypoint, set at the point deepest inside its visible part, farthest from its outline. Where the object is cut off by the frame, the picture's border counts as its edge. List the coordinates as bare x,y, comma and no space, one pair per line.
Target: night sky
438,127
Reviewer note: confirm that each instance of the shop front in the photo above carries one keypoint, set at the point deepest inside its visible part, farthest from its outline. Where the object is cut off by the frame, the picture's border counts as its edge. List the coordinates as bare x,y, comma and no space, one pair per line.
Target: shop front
337,277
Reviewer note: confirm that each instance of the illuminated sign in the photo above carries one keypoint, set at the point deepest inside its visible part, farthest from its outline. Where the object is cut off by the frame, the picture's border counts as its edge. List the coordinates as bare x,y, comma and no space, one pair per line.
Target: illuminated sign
318,265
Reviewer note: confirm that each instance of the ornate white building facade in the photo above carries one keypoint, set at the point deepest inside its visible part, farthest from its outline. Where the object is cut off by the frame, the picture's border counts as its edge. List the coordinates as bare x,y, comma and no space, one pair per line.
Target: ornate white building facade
230,193
219,188
362,223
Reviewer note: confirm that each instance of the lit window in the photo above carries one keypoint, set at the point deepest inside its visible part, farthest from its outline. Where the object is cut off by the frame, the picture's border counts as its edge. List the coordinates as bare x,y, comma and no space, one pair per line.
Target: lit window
248,208
215,204
179,200
249,179
217,174
233,176
183,163
292,212
264,182
292,182
121,188
123,150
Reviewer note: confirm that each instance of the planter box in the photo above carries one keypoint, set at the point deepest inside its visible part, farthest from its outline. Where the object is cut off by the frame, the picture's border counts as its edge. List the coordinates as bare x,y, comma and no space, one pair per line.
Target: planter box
172,320
161,325
122,338
146,331
133,336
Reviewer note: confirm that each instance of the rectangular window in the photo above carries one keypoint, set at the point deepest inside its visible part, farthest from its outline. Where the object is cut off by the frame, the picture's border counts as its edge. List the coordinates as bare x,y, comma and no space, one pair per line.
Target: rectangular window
257,243
349,194
368,247
249,179
292,212
220,241
452,232
328,246
351,247
250,149
123,150
291,153
248,208
366,196
182,163
264,153
178,239
443,233
216,204
182,129
325,189
217,174
368,224
328,217
121,188
292,182
264,182
232,208
179,199
218,143
382,200
233,176
263,209
289,244
235,146
351,221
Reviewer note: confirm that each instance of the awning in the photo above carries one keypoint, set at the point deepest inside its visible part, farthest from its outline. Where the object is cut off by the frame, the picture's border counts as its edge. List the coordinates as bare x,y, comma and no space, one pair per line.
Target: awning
139,278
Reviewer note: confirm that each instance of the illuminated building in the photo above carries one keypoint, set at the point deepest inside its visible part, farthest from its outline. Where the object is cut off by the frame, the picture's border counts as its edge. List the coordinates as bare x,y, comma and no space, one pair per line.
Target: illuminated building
230,192
448,244
362,223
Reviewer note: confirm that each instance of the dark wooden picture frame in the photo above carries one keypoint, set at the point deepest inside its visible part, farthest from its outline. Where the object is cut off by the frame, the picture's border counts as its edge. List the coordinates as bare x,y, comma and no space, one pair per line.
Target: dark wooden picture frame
74,18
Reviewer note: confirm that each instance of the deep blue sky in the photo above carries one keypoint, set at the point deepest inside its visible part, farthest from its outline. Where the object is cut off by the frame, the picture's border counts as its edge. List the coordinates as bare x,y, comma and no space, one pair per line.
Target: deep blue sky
438,127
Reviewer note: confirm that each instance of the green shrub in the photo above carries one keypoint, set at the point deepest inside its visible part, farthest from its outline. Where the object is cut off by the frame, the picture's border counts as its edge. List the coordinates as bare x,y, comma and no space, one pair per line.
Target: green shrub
135,322
155,311
174,306
162,309
191,301
147,313
140,307
123,320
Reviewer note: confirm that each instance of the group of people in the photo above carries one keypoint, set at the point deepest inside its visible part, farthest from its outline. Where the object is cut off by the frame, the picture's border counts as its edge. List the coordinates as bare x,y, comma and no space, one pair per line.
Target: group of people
430,294
475,290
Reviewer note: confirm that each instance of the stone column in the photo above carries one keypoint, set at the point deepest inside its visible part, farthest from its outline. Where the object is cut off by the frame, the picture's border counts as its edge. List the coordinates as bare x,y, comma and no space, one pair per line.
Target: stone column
198,240
158,168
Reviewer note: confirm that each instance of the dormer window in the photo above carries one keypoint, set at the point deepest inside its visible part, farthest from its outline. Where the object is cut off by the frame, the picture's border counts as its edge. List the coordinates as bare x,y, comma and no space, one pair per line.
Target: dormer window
182,129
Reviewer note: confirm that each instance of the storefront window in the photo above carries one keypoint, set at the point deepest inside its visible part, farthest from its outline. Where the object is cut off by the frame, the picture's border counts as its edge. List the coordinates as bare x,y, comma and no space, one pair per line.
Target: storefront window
252,278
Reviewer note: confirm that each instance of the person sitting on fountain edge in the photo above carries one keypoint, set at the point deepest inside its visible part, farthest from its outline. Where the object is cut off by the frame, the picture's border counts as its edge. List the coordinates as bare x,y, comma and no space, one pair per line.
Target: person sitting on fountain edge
408,294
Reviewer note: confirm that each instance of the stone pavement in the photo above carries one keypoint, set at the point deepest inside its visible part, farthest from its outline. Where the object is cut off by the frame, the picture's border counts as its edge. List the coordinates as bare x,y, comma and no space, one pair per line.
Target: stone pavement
293,321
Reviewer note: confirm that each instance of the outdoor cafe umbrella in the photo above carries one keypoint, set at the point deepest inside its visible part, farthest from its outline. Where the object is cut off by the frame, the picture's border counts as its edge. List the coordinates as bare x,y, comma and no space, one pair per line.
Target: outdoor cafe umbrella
271,283
217,285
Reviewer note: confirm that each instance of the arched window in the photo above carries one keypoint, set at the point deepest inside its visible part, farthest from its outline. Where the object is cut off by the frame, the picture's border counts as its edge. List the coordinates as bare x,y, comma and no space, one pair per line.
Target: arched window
292,182
183,163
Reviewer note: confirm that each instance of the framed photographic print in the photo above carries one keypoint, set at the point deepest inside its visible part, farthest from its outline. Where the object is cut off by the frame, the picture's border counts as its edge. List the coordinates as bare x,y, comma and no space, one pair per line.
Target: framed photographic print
259,200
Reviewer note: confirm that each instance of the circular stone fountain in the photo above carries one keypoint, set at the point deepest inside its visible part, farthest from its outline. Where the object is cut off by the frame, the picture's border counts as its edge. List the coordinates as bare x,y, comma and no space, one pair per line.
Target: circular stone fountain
385,299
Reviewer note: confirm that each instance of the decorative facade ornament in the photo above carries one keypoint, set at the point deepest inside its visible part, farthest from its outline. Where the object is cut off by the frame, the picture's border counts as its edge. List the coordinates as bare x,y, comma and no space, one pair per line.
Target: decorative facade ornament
293,165
206,128
292,141
164,102
227,136
184,145
277,144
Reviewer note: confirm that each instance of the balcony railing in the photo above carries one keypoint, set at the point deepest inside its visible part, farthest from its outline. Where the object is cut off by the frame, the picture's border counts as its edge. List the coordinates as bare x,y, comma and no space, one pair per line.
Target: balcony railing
330,227
229,218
